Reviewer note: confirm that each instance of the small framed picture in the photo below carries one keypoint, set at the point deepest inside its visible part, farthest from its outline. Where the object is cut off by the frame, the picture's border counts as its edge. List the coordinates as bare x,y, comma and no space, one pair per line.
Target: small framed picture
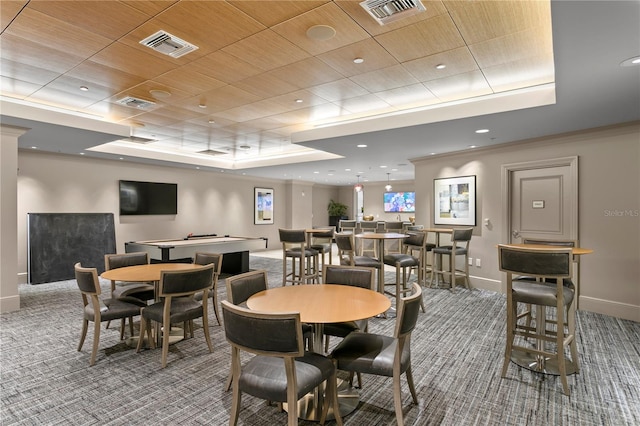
263,214
455,201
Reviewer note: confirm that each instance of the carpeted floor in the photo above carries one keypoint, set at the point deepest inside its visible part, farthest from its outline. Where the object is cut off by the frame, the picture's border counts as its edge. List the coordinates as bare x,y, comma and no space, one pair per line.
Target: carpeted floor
457,351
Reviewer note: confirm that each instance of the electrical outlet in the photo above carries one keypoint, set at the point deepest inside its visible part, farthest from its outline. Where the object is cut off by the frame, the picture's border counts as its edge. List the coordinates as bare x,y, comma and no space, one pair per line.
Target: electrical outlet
478,263
471,261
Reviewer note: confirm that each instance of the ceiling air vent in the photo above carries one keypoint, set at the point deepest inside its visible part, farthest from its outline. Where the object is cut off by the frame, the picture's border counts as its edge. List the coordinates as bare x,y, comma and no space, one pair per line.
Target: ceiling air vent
385,11
211,152
168,44
137,139
132,102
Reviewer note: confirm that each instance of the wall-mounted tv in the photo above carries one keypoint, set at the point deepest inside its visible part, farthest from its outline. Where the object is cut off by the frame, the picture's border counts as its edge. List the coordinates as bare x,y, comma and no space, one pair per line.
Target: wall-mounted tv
148,198
400,202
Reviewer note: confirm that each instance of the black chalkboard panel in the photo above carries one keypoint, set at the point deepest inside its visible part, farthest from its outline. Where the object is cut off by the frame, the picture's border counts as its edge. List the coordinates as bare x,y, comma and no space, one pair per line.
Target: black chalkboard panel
58,240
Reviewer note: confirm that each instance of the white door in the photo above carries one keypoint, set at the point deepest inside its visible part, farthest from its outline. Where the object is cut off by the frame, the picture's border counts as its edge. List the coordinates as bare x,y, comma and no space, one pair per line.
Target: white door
542,200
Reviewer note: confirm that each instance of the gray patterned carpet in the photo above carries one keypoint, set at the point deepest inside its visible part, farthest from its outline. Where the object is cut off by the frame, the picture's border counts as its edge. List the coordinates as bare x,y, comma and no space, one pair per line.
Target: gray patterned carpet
456,351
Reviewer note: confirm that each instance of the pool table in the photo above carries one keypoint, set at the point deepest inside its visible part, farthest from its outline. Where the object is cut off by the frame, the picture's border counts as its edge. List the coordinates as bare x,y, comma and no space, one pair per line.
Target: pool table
235,250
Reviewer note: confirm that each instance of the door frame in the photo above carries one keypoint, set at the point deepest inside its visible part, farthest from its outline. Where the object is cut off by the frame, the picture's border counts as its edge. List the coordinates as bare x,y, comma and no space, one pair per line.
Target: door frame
509,169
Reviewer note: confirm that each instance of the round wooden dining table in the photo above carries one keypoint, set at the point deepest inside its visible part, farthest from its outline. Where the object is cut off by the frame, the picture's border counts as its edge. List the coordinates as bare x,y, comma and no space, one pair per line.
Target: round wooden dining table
320,304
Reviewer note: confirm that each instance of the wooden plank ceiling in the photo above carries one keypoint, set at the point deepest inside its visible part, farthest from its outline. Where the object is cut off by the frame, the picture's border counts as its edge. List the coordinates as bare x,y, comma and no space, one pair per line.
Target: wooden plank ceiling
256,76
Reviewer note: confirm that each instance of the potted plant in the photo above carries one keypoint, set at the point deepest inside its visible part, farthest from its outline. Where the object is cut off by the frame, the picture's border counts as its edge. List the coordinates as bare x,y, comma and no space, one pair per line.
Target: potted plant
336,211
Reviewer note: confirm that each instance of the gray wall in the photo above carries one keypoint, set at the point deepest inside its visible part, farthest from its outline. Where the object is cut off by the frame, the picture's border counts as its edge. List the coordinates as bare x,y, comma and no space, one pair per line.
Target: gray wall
609,178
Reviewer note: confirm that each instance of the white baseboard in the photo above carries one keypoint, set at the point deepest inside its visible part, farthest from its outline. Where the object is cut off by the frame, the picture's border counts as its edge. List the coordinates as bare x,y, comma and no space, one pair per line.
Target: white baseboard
486,284
23,278
9,303
607,307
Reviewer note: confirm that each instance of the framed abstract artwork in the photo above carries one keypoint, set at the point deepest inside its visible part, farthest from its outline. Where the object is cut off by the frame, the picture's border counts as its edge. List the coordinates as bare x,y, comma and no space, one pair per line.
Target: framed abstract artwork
263,212
455,201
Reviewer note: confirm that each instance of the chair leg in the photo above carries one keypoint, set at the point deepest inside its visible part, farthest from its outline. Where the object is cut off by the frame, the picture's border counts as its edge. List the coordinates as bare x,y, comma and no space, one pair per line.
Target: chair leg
235,405
166,333
85,325
227,385
511,318
131,326
331,394
207,336
214,302
571,325
397,399
96,340
412,388
143,332
122,327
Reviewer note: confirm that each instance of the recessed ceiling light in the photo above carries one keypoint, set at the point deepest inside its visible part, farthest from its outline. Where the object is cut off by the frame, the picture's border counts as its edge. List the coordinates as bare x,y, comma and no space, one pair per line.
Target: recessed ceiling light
82,153
299,101
316,172
482,131
84,88
630,62
383,167
321,32
212,121
159,94
473,146
440,66
202,105
361,145
358,60
347,170
34,147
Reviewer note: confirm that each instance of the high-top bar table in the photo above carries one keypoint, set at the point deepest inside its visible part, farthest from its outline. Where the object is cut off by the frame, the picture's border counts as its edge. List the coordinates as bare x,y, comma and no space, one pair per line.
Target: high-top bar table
380,239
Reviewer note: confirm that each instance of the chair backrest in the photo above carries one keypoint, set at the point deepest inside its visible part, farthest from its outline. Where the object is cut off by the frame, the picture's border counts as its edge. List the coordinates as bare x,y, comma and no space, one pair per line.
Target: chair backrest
347,226
368,226
462,234
202,258
356,276
408,310
344,242
114,261
292,236
242,286
87,279
263,333
415,239
186,282
559,243
541,263
327,234
393,226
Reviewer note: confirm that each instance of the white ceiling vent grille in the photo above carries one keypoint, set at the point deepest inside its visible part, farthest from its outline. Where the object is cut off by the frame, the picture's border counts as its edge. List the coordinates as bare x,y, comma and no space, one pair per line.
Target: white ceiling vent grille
385,11
168,44
132,102
138,139
211,152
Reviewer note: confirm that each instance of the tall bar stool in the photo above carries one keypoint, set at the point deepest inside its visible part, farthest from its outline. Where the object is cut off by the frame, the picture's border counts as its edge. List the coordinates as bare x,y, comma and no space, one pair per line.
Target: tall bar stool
460,239
368,247
348,257
412,256
552,288
393,246
304,261
322,242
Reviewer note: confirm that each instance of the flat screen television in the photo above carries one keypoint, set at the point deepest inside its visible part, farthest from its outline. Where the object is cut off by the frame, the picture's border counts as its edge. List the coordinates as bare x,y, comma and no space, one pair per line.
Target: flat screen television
400,202
148,198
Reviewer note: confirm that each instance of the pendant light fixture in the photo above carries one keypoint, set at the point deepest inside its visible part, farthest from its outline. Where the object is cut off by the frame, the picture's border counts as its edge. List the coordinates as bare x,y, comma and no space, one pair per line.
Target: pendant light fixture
388,185
358,186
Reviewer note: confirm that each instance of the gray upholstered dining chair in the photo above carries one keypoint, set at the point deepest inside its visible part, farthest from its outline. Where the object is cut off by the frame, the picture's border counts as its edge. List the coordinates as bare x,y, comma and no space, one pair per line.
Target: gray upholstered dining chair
141,290
382,355
241,287
280,369
460,239
98,310
304,260
550,288
178,305
356,276
202,258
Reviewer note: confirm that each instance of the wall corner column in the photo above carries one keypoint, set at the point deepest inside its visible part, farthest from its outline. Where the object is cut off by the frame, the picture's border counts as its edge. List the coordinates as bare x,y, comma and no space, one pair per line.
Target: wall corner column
9,296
